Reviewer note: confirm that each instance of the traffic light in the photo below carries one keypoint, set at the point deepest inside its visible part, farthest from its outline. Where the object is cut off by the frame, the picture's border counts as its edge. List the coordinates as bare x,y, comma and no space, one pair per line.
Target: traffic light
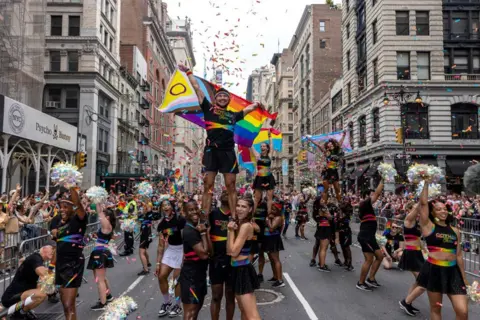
399,135
81,160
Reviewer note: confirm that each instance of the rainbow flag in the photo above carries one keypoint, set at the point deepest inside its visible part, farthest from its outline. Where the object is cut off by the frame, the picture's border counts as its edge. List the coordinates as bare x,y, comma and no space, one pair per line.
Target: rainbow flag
173,189
263,138
246,159
180,98
321,138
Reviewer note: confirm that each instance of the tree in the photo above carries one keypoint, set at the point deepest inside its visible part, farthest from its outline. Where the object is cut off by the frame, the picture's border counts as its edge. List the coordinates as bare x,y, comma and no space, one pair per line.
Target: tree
331,4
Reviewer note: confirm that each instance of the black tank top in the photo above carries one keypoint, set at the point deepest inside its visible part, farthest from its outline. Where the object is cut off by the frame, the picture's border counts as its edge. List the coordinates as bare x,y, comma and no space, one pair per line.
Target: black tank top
263,166
103,238
442,239
411,234
247,247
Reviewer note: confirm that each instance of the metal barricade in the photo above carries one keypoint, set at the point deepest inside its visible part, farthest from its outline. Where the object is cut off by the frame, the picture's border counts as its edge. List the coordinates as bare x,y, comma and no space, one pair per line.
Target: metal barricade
471,257
471,225
8,263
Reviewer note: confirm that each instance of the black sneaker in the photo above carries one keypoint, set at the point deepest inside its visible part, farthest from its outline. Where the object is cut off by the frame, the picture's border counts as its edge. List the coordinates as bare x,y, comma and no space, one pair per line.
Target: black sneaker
278,284
313,263
30,315
414,309
363,287
272,279
110,298
297,236
373,283
175,311
164,309
125,254
260,277
338,263
53,298
349,268
149,264
325,268
406,307
17,315
255,259
304,238
98,306
143,273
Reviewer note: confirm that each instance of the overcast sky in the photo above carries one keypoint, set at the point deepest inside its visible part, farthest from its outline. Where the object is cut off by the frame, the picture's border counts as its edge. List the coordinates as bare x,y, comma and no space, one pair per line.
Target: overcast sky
244,33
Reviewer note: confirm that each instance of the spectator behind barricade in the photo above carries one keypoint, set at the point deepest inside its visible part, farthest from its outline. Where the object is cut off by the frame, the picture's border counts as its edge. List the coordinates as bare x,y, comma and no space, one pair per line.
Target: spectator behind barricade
26,216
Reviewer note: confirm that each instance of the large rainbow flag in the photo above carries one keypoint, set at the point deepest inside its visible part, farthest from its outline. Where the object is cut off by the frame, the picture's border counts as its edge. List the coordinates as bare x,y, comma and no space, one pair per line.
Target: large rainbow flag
246,159
180,98
321,138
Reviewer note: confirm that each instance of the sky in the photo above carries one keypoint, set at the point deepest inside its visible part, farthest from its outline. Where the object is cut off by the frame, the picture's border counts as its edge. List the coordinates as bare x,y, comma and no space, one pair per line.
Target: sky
238,35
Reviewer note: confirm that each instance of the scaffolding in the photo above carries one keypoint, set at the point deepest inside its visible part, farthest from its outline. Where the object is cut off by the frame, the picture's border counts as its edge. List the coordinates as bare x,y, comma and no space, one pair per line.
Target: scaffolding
22,50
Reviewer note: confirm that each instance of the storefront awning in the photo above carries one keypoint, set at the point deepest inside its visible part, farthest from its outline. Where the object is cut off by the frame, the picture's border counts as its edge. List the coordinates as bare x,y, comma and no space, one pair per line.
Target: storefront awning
401,166
458,166
421,160
373,169
348,172
360,171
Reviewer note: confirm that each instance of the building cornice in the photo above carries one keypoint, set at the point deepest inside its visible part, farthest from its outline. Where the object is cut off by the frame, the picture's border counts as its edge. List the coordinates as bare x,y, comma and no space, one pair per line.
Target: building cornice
296,36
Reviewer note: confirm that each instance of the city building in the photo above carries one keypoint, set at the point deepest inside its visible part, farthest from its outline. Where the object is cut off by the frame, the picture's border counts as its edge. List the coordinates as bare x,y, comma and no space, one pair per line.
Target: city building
411,66
189,138
144,25
283,105
257,83
82,77
317,63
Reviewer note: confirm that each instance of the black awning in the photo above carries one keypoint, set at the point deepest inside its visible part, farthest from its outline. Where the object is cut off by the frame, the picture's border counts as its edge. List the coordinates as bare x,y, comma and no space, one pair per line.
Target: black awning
348,172
401,166
426,160
360,171
458,166
373,169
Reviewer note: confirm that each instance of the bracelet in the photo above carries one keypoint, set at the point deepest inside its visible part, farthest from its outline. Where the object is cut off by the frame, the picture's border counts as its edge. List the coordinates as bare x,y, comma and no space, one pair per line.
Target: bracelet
189,72
203,233
158,263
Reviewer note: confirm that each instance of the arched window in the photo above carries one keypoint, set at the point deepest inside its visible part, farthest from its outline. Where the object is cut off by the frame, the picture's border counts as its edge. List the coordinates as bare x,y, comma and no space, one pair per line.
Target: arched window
464,121
415,121
362,130
157,84
376,125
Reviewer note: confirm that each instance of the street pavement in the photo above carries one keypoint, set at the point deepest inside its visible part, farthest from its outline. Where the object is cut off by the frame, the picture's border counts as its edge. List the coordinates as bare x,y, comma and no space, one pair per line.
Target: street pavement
308,294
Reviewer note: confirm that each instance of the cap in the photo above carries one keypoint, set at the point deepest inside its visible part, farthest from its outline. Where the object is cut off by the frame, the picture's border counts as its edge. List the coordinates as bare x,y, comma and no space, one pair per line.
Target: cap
51,243
222,90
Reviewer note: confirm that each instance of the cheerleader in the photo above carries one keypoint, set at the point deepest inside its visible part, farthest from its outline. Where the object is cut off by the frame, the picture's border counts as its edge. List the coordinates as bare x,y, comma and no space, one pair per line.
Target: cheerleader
273,244
244,278
101,258
412,257
323,218
146,221
444,272
301,218
264,180
169,257
193,277
70,262
345,232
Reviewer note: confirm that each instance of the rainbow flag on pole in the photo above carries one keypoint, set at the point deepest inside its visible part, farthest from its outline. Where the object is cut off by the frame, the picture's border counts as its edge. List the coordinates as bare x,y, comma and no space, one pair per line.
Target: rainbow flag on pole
180,98
263,138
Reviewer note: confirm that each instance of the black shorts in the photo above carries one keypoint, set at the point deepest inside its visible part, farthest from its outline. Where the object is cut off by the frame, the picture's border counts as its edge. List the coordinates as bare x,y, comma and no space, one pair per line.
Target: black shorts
220,270
323,233
10,300
215,160
331,175
69,271
193,289
345,237
368,242
145,237
264,183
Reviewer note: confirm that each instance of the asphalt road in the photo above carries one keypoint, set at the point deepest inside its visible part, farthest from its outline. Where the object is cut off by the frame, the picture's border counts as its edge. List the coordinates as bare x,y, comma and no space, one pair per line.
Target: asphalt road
309,294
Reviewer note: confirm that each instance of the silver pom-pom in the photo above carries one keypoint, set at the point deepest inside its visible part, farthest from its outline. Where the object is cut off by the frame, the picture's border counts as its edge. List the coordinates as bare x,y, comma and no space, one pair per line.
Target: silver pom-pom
97,194
471,179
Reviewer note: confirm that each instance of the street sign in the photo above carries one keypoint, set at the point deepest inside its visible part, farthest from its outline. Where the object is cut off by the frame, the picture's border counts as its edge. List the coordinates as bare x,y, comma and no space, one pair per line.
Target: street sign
401,156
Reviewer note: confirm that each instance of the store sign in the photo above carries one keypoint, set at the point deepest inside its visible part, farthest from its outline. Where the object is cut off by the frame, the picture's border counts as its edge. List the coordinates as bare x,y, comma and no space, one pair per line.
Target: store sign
31,124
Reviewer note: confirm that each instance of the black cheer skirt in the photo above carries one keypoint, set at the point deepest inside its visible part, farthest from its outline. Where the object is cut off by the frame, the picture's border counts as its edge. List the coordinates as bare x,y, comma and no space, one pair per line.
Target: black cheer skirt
100,259
272,244
323,233
446,280
411,260
69,271
264,183
244,279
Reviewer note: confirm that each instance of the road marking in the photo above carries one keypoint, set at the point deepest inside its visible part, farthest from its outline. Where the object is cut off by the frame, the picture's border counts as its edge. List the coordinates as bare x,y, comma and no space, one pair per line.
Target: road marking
300,297
133,285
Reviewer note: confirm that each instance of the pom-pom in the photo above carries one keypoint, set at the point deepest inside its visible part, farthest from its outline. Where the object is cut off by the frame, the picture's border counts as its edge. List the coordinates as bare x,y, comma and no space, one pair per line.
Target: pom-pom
473,292
128,225
66,175
164,197
419,172
97,194
47,283
471,179
434,189
112,248
387,171
145,189
381,240
119,309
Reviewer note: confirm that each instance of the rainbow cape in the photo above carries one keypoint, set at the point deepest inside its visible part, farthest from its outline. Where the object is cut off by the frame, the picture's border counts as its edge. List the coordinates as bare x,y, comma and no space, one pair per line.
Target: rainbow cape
180,98
333,135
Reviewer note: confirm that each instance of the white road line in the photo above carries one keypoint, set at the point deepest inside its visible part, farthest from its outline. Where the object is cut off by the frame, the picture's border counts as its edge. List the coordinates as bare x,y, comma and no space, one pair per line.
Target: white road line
133,285
300,297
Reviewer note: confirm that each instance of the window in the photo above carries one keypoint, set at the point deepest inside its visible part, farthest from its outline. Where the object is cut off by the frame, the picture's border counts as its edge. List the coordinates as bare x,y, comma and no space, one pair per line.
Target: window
323,44
464,121
100,139
337,102
402,23
348,60
347,4
290,83
348,30
307,58
361,19
110,47
423,65
137,115
74,26
362,79
72,98
55,61
403,65
415,120
290,116
374,31
423,24
475,24
460,61
376,125
105,38
350,134
107,8
290,127
375,72
476,61
337,124
56,25
101,33
290,150
72,60
374,2
322,26
447,66
362,49
290,139
459,24
362,128
349,93
38,24
55,94
111,14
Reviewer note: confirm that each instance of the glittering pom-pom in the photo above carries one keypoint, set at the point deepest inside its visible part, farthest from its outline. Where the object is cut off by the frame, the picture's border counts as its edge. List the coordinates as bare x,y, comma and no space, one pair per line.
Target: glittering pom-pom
419,172
164,197
128,225
388,172
473,292
97,194
381,240
434,189
112,248
145,189
471,179
119,309
66,175
47,283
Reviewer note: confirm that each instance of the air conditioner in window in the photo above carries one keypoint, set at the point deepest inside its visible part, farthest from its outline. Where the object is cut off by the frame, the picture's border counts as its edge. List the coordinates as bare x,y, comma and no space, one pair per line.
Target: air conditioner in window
52,105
